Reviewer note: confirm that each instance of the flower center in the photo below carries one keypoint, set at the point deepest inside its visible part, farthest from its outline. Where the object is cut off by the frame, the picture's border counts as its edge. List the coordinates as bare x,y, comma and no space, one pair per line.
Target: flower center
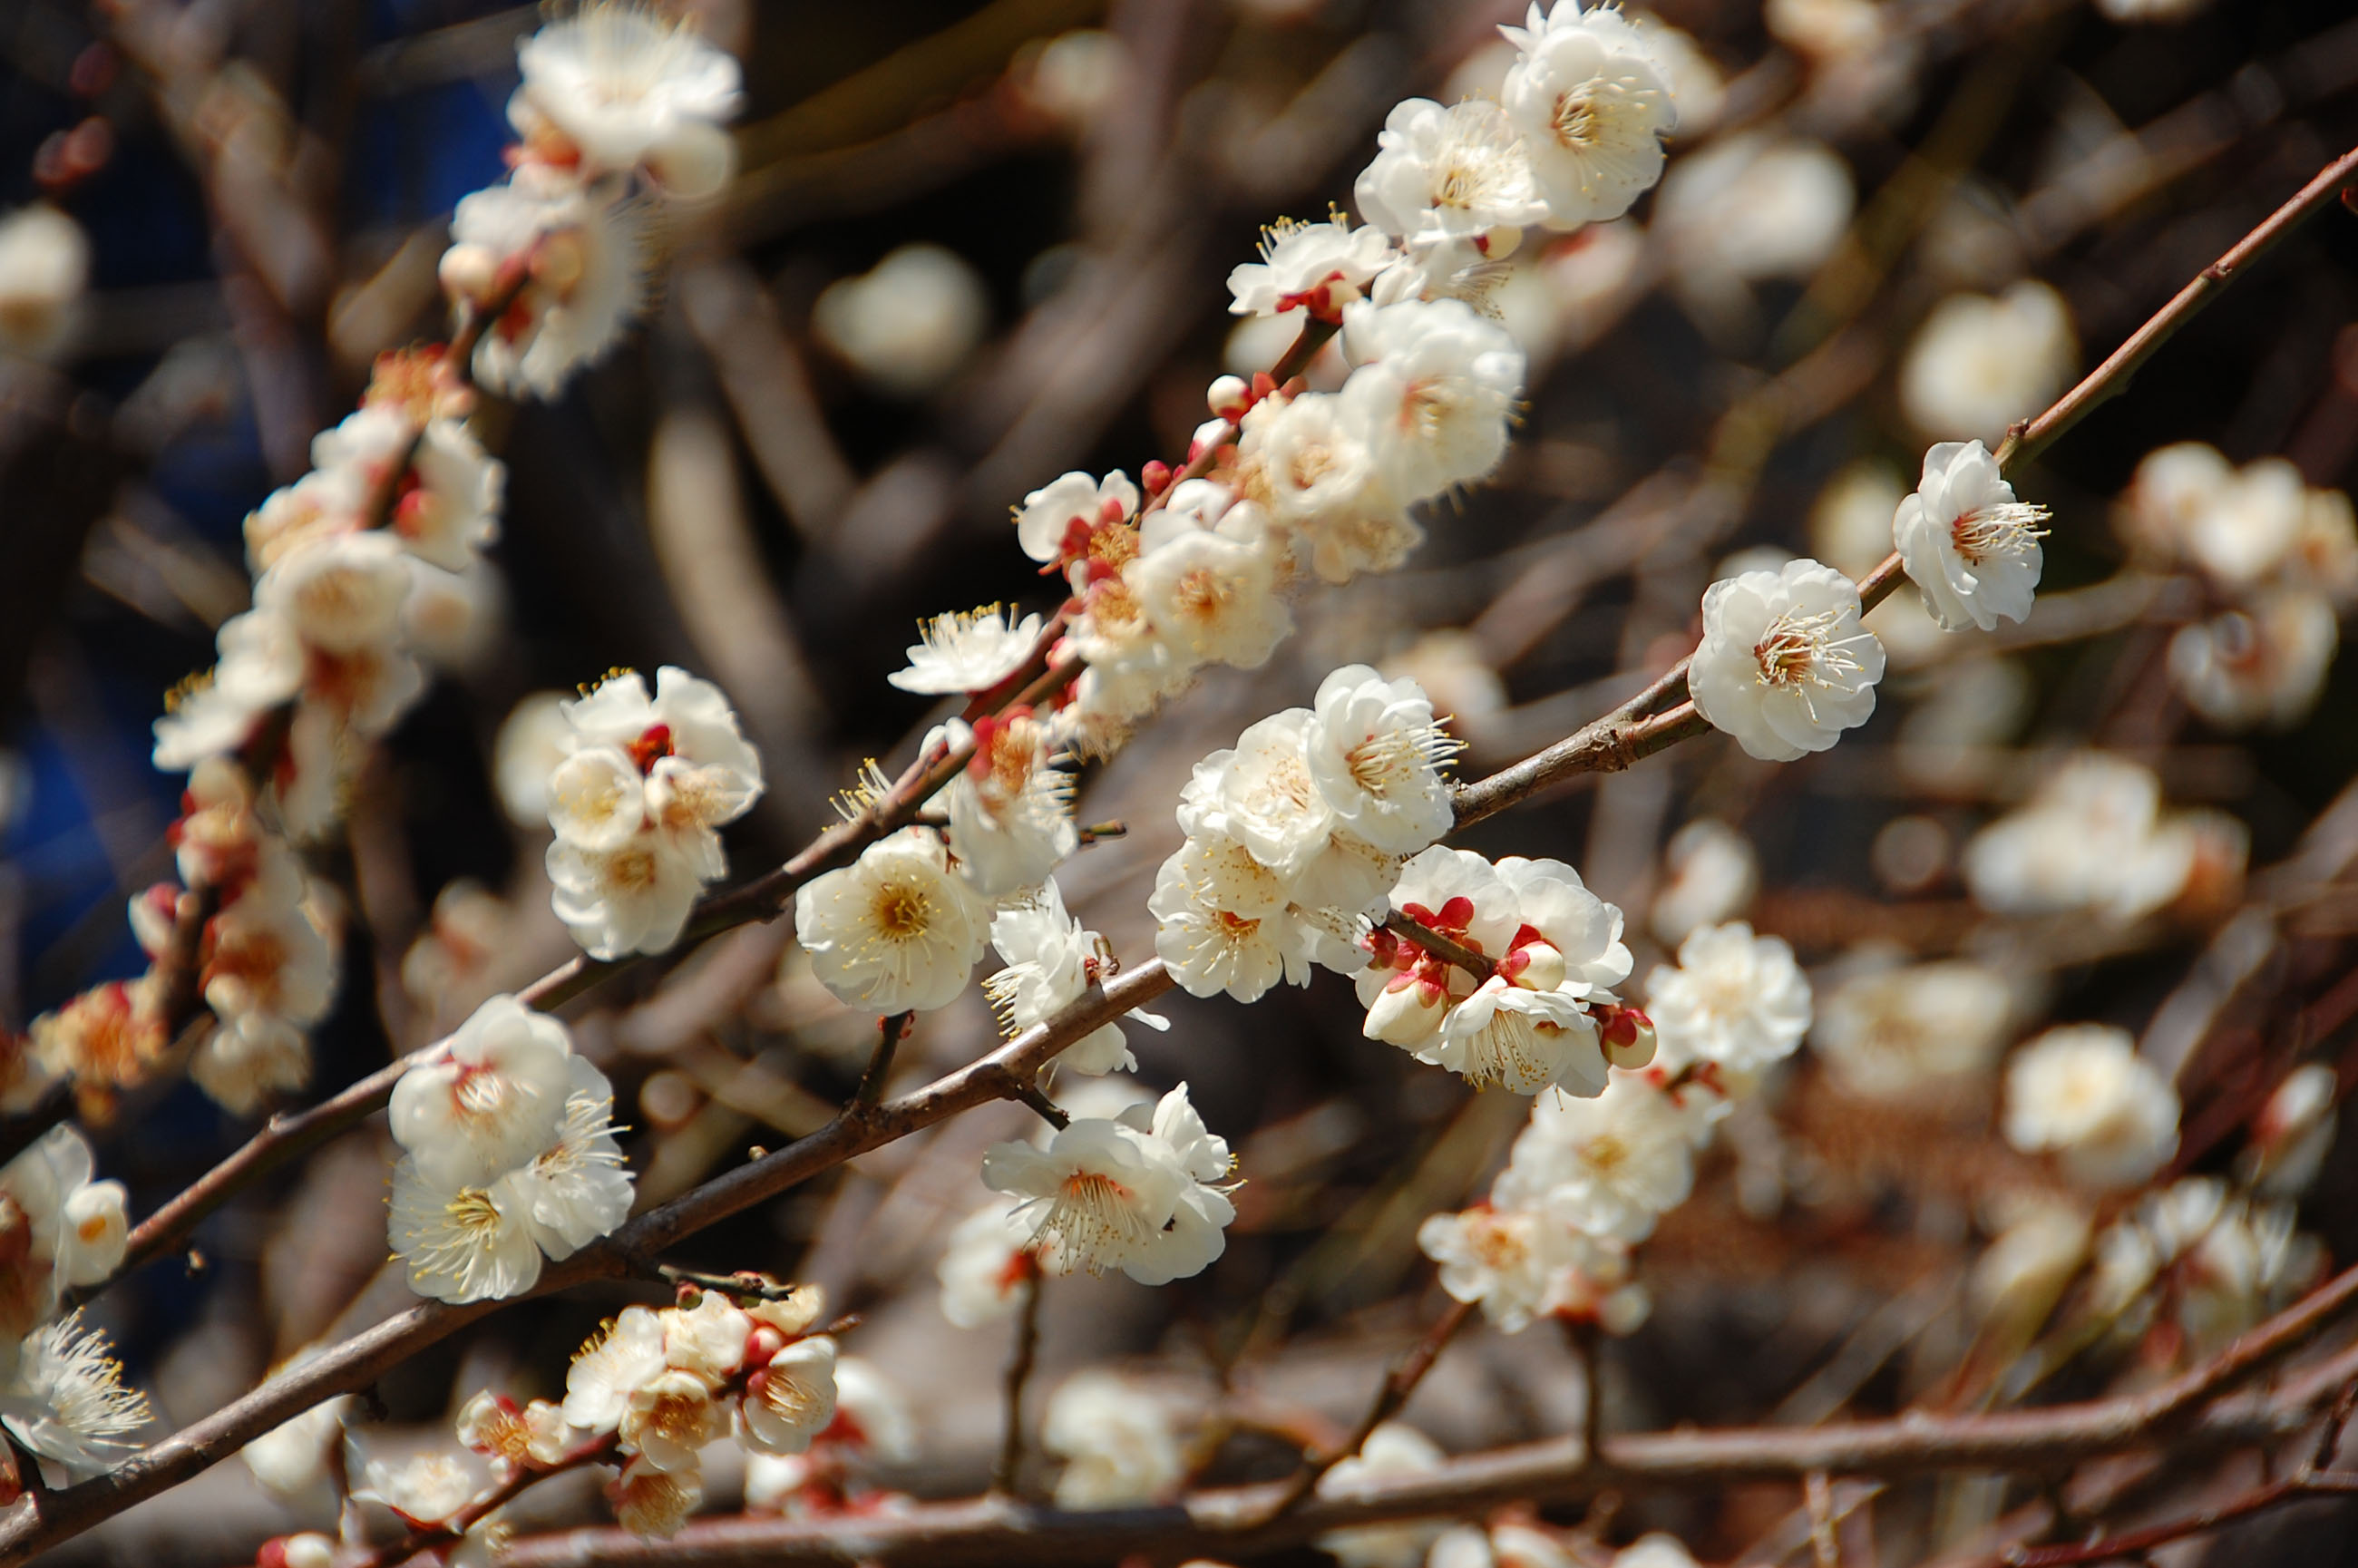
1801,650
653,742
2004,528
1096,1216
1203,595
901,913
1575,117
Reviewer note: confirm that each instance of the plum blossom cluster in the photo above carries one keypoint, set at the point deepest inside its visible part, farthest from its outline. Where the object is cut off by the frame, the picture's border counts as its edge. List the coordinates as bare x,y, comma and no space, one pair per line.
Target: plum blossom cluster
368,566
2184,1269
1290,482
62,1396
509,1155
1296,834
644,786
1545,1016
1595,1169
667,1385
620,111
648,1393
2279,563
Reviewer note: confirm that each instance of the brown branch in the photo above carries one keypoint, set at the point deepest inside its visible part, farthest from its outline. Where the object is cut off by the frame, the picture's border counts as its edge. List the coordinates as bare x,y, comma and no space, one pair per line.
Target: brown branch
2302,1483
1398,1385
353,1364
1007,1474
2112,378
1235,1522
889,1032
425,1538
1440,945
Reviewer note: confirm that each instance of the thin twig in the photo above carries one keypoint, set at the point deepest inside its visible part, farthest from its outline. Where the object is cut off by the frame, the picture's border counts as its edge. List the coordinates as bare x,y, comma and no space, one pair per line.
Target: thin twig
425,1538
1440,945
889,1032
1007,1474
2302,1483
1398,1385
2110,379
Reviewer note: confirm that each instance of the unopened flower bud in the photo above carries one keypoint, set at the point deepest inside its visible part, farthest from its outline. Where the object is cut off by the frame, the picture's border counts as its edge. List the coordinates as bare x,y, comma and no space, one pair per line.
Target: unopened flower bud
1406,1013
307,1549
1500,243
1627,1035
1228,397
467,271
1154,475
1536,967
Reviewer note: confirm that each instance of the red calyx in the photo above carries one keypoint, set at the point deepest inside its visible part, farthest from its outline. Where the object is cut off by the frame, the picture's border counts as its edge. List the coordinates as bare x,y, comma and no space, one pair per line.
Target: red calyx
653,742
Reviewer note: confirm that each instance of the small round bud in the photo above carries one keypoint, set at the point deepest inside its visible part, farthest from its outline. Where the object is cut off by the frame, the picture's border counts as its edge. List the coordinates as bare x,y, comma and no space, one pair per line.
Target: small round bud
1406,1013
1154,475
1228,397
1627,1035
467,271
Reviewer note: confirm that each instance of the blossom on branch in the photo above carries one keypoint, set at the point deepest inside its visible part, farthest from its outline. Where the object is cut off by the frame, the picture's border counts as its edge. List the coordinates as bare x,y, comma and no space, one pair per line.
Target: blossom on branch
1784,665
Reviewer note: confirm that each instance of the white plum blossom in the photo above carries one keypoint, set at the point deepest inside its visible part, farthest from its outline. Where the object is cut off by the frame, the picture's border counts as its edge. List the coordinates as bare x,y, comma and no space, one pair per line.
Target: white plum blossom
628,87
460,1243
1977,364
510,1156
989,1266
897,929
633,898
1710,874
2082,1093
1459,173
1607,1166
490,1101
1394,1450
627,1352
2262,665
1750,208
910,323
585,254
260,667
1222,923
1376,752
44,270
1051,962
1971,548
1118,1440
1046,523
1784,665
790,1399
2093,838
1593,105
1920,1032
1317,268
1212,598
448,501
1010,809
969,652
636,804
1434,385
1734,1000
1139,1192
